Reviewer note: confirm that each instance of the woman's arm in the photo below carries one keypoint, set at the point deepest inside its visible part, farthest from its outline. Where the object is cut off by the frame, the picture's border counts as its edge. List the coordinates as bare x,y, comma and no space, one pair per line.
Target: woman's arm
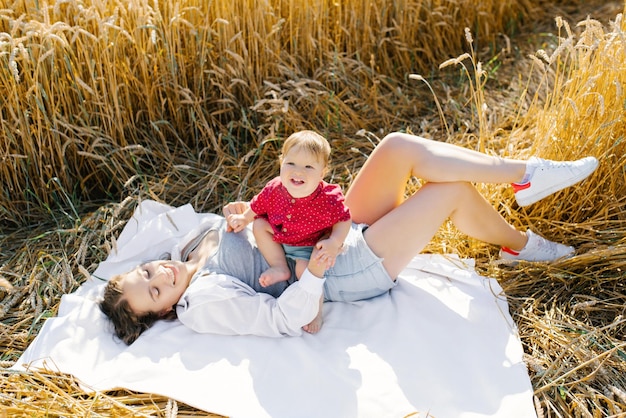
220,304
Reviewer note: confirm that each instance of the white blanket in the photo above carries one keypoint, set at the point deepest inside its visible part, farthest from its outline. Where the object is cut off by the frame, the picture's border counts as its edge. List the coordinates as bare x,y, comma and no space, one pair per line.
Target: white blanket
440,344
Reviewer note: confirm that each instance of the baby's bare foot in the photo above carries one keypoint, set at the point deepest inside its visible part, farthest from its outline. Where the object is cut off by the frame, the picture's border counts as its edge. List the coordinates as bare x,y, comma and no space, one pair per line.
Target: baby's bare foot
315,325
274,275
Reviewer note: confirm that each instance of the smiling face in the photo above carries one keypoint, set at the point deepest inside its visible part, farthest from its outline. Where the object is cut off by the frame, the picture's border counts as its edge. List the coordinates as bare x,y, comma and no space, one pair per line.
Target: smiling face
301,171
155,286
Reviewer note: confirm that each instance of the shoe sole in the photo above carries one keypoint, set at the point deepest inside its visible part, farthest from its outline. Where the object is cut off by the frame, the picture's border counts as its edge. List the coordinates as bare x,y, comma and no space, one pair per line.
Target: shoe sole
503,262
525,201
514,262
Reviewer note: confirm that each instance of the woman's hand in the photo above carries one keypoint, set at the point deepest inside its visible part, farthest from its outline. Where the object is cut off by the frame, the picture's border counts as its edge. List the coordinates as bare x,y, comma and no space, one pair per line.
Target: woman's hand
236,222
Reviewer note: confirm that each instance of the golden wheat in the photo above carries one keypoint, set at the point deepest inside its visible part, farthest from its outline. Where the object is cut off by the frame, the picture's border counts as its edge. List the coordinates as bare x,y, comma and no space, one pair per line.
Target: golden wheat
95,90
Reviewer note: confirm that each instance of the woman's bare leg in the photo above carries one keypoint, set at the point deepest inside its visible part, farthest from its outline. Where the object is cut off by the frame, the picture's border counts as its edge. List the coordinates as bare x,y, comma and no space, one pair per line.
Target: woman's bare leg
405,230
400,229
400,156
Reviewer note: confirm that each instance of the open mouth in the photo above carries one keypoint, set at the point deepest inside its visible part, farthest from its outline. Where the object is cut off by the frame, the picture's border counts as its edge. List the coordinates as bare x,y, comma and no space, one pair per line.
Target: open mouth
297,182
172,273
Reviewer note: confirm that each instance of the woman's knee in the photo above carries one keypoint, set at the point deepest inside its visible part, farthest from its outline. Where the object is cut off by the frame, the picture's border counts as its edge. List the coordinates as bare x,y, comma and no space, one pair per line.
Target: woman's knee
400,139
405,146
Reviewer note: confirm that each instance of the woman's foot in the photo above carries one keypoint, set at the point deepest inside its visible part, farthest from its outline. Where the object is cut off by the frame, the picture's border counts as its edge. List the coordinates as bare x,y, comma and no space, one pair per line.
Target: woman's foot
537,248
544,177
274,275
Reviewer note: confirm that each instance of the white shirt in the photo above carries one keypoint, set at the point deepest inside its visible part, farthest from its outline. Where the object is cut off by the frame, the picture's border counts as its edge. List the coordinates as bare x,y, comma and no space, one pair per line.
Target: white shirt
221,304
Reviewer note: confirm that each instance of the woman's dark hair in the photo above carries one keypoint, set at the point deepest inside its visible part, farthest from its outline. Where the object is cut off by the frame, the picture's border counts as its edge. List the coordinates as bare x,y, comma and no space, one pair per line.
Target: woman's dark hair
127,325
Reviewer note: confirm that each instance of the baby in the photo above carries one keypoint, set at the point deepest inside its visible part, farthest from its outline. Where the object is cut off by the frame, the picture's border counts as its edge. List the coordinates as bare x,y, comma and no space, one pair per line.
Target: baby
297,212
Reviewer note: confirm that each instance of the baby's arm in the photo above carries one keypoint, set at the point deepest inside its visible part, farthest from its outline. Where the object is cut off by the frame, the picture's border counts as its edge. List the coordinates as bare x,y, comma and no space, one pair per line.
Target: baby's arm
329,248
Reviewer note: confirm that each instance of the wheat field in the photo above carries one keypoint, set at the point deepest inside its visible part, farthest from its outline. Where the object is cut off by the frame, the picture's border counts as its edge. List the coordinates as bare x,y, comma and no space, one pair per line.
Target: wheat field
106,103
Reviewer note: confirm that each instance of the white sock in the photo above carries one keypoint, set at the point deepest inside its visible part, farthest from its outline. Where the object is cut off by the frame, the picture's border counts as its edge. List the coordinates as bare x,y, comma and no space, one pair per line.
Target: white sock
530,170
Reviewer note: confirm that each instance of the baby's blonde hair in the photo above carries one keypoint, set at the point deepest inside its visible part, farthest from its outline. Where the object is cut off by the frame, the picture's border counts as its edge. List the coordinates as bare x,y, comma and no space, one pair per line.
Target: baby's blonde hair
311,141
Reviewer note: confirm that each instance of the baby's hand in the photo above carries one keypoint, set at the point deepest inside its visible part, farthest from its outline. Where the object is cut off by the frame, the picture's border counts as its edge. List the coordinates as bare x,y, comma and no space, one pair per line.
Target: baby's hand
234,209
236,222
327,251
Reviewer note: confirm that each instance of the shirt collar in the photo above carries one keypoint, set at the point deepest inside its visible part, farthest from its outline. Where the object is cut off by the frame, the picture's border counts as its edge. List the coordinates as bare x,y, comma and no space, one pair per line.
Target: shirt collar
305,199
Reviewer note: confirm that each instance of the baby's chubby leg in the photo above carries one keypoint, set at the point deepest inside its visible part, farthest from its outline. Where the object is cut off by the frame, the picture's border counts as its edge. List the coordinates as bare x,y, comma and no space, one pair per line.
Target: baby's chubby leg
301,265
273,253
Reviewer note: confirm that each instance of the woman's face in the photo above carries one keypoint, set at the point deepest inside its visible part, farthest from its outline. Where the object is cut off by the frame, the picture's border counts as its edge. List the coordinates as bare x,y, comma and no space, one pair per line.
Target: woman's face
301,172
155,286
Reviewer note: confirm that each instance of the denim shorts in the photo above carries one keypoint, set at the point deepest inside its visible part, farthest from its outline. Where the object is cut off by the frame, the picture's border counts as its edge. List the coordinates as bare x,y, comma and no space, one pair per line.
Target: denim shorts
295,253
358,273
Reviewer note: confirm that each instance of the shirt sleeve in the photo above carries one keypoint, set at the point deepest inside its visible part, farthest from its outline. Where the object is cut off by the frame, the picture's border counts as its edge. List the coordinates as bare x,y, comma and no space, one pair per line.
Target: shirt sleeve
221,304
260,202
336,203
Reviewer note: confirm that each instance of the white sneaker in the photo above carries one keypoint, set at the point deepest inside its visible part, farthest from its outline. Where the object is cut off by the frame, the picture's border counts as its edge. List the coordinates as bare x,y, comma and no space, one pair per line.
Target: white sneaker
537,249
546,177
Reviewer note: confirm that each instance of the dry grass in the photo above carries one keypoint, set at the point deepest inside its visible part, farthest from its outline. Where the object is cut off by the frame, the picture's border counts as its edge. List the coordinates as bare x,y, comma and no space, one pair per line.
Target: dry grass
105,104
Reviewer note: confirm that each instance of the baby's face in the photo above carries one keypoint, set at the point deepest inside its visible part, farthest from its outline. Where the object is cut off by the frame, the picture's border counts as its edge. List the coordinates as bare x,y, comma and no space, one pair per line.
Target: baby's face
301,172
155,286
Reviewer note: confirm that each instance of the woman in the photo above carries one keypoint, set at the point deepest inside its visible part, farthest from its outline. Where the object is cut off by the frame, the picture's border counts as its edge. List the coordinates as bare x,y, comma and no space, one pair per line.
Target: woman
214,287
